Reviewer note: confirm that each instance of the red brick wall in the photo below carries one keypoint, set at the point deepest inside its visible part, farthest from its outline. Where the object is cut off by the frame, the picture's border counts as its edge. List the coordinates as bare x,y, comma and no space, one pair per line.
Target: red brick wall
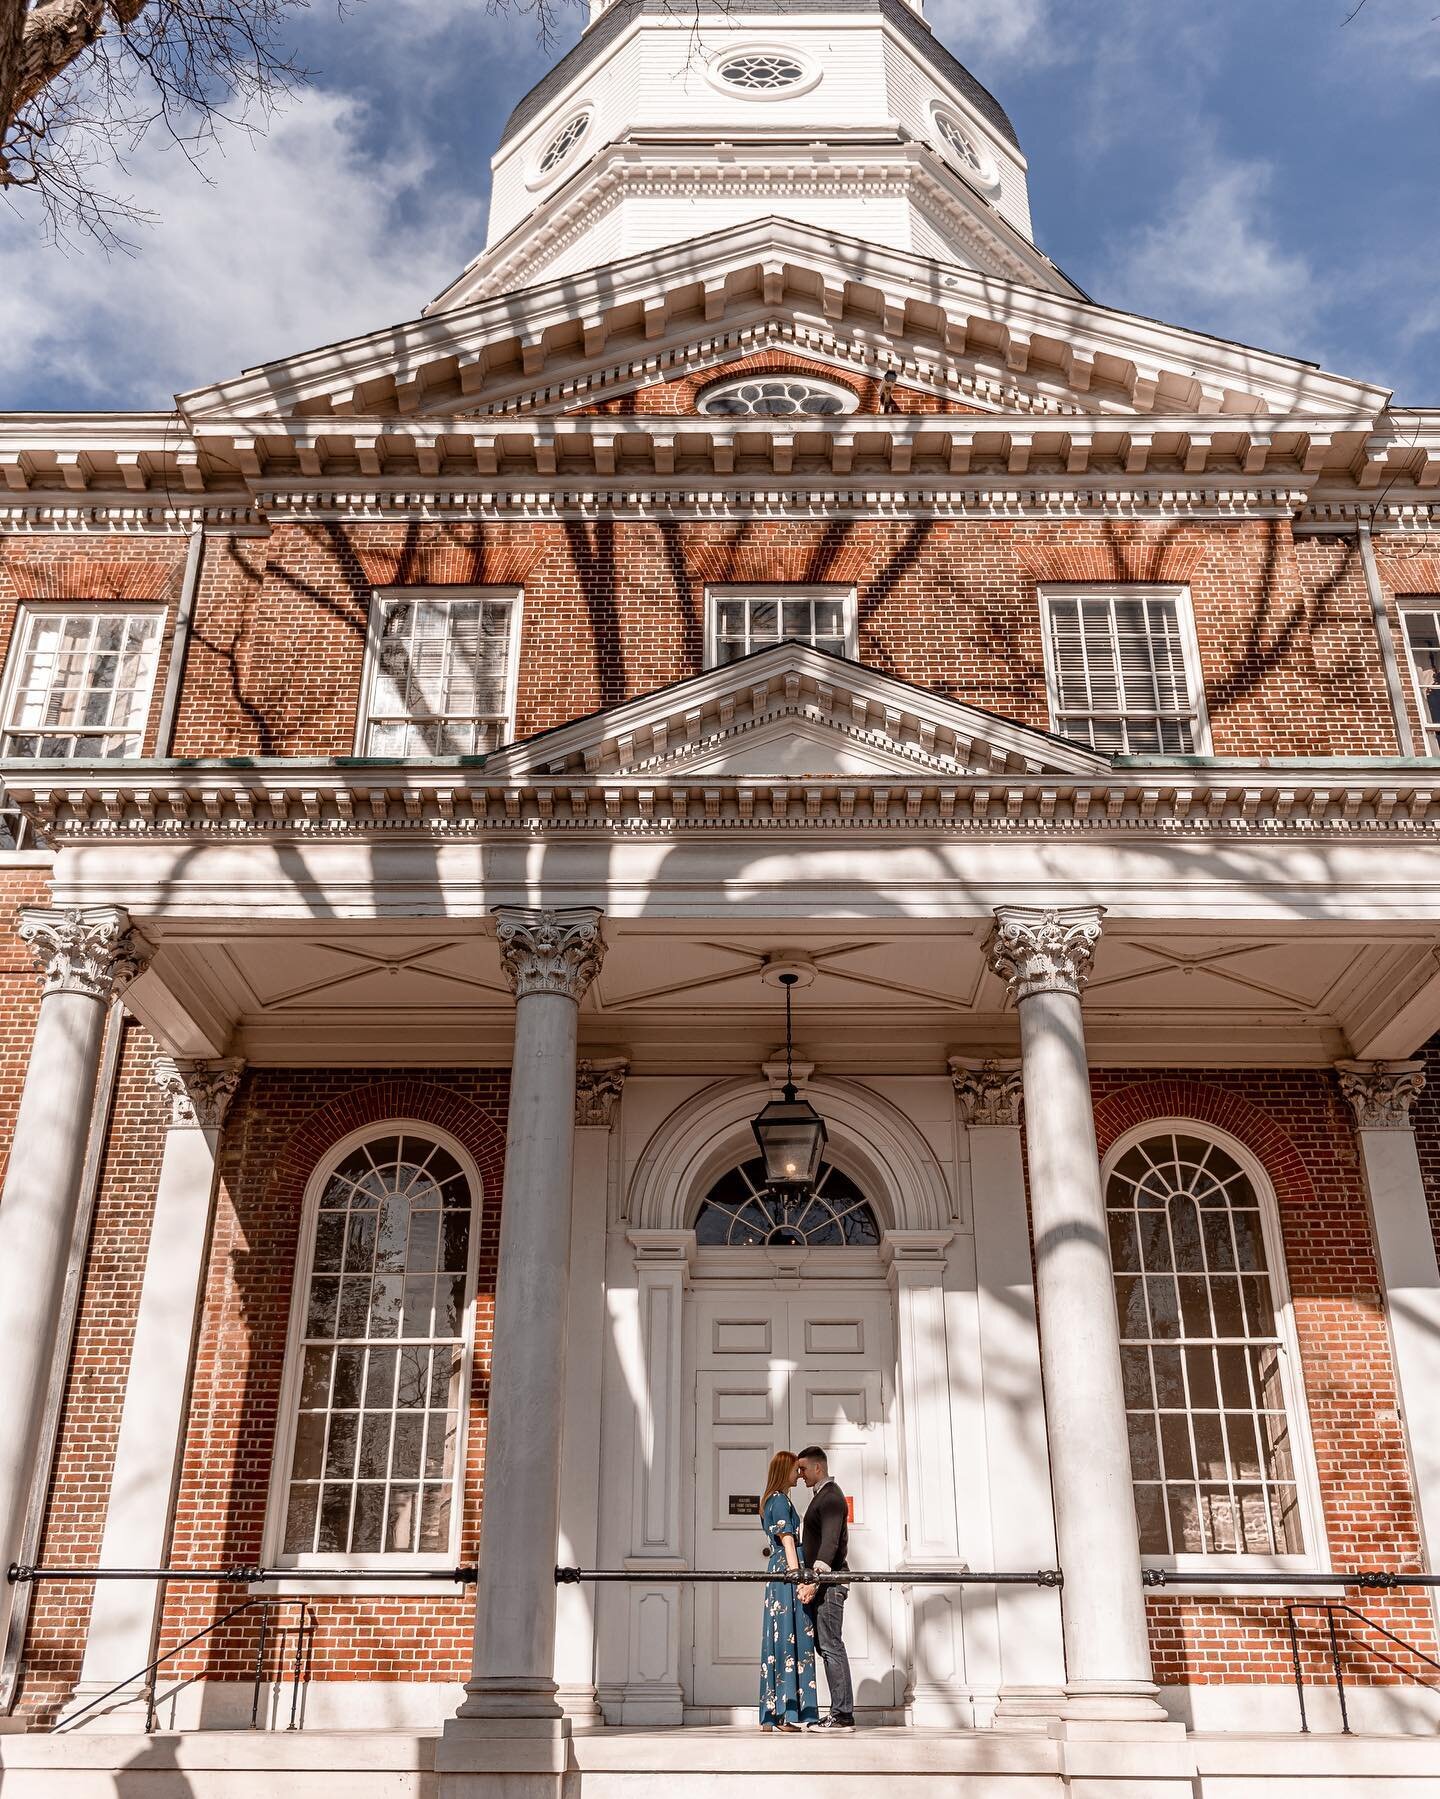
615,610
677,398
1426,1115
136,570
1299,1129
99,1365
281,1126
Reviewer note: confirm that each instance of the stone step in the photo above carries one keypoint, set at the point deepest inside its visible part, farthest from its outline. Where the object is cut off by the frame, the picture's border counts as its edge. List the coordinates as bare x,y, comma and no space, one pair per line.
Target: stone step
719,1763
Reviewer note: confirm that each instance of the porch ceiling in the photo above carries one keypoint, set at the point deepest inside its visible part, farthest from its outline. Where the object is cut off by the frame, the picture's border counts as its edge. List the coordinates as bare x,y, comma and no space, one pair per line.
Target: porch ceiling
895,996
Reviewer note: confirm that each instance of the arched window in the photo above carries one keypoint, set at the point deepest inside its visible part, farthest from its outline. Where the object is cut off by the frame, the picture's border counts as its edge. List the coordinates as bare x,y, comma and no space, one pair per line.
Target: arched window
379,1357
741,1212
778,396
1212,1440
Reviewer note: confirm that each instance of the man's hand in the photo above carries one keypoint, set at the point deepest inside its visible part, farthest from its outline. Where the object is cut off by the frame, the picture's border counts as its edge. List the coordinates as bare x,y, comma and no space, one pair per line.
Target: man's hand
807,1593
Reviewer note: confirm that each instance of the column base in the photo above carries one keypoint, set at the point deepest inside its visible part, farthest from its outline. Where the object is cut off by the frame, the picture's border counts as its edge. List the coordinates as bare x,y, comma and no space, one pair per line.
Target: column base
503,1756
580,1706
1092,1708
532,1701
125,1713
1028,1711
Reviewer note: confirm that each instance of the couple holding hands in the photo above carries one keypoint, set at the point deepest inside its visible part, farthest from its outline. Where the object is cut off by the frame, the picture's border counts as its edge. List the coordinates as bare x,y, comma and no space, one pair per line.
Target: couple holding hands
798,1614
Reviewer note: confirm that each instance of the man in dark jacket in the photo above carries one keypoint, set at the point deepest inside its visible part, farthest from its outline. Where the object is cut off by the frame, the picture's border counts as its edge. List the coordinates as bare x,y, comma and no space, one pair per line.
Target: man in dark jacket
826,1542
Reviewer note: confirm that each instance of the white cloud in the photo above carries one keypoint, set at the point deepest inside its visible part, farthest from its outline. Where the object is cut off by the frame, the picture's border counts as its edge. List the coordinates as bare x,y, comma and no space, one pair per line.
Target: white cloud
327,225
996,31
1213,262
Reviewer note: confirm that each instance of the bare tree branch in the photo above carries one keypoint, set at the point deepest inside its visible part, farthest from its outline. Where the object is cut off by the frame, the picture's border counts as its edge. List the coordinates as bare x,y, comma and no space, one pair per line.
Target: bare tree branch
82,82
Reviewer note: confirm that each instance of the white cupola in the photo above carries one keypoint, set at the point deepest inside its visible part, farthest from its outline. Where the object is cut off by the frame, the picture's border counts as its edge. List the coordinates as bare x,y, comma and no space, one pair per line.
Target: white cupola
665,124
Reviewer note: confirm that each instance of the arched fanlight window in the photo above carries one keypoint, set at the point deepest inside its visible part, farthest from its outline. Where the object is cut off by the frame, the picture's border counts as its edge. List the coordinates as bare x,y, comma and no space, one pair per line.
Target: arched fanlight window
379,1356
1213,1443
741,1212
778,396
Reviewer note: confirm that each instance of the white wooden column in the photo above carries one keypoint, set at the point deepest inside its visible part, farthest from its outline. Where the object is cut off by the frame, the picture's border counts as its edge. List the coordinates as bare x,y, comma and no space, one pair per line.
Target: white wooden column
549,959
152,1420
1032,1651
598,1085
1045,956
1381,1094
653,1691
87,955
937,1690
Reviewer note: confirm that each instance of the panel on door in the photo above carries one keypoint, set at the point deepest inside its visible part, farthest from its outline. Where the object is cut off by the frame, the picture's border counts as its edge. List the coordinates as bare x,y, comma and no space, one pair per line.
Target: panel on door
741,1419
842,1411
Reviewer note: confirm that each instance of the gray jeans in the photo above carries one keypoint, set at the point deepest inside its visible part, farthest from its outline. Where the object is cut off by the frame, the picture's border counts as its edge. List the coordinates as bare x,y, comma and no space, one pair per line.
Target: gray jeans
828,1615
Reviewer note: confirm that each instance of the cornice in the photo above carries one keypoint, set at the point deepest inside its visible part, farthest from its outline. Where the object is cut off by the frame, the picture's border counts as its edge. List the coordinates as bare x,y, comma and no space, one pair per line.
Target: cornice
637,170
165,803
788,265
980,384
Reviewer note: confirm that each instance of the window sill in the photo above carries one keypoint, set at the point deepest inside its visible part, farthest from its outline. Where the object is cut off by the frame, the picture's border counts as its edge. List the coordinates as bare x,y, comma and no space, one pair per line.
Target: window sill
296,1586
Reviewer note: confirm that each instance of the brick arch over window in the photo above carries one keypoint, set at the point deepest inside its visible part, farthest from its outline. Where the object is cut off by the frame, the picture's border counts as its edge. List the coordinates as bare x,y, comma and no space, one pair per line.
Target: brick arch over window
375,1104
1276,1154
1123,557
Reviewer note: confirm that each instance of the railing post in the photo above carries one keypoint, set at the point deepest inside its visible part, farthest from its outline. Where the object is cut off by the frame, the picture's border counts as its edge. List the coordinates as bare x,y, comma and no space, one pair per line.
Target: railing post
1299,1677
1339,1674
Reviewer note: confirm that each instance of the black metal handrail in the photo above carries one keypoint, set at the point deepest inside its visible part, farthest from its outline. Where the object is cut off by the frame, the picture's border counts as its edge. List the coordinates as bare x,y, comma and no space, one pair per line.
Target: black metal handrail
243,1574
300,1671
928,1577
1330,1607
1372,1580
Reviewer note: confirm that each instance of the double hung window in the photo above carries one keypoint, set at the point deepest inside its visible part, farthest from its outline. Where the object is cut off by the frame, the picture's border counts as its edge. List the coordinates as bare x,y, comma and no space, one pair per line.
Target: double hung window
743,620
369,1464
80,681
441,678
1124,671
1217,1448
1421,619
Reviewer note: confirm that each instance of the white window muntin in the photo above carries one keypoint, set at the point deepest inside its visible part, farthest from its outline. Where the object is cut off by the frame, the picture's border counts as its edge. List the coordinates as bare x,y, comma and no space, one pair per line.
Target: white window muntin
771,394
965,146
1420,618
416,703
298,1341
552,157
1297,1413
80,679
1100,701
740,620
809,75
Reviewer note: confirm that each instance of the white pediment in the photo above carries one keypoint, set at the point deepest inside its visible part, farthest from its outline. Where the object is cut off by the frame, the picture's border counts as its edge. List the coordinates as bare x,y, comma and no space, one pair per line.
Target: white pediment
648,310
789,713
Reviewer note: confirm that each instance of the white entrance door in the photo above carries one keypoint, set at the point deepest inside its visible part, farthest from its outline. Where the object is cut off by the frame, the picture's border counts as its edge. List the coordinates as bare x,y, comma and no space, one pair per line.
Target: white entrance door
781,1371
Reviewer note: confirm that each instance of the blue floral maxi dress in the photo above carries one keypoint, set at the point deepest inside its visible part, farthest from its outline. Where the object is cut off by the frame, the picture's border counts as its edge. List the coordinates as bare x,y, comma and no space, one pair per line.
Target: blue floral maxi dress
787,1636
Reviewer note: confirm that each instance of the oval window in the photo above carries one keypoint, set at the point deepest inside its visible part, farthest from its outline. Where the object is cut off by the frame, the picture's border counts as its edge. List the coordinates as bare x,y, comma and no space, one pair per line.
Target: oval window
961,150
563,142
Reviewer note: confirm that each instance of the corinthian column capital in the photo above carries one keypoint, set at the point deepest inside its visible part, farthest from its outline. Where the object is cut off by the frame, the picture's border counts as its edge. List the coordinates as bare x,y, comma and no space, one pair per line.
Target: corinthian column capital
989,1093
1044,950
550,952
84,949
1381,1093
598,1086
199,1092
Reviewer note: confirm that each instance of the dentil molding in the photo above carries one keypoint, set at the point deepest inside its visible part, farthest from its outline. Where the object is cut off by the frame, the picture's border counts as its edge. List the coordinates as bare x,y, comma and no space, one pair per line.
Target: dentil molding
1047,951
84,949
199,1092
1381,1093
556,951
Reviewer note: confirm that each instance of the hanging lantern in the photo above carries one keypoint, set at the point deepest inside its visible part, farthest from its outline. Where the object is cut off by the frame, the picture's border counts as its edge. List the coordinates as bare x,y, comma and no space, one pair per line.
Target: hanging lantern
790,1132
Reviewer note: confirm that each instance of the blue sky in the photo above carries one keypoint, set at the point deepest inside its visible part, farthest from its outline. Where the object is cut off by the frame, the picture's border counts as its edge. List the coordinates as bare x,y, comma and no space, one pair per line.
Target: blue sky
1255,168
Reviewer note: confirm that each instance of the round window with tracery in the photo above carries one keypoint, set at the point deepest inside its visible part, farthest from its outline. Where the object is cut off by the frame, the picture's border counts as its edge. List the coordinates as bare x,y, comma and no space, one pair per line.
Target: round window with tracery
761,71
962,150
741,1212
778,397
563,142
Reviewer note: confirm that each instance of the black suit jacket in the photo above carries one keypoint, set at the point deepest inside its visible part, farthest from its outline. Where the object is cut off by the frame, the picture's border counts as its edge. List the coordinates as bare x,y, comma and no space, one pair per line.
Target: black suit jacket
826,1531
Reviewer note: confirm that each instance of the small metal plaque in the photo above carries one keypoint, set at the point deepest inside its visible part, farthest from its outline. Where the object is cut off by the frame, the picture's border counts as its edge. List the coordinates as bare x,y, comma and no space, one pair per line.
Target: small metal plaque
744,1505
